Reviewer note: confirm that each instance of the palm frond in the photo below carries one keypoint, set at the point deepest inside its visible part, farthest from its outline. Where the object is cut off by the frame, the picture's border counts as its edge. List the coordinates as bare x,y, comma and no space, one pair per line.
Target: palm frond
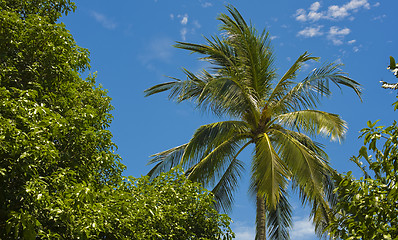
308,168
269,172
284,84
311,173
182,90
315,122
253,51
210,167
209,136
223,191
306,94
320,215
217,52
279,220
227,96
166,160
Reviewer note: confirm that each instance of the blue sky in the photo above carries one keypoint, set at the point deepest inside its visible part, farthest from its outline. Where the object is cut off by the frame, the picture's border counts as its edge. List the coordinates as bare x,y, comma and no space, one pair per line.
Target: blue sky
131,49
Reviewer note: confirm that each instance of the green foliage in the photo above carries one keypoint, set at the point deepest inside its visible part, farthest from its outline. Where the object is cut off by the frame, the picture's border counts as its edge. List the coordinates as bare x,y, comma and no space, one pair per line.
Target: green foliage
367,207
167,207
52,9
59,175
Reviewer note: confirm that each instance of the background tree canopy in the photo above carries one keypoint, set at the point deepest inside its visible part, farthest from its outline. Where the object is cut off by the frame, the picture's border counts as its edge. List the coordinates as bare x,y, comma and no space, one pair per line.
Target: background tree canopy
59,175
367,207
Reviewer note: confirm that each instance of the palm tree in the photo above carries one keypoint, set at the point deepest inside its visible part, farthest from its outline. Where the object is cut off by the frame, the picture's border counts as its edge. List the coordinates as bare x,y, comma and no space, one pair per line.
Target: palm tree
277,117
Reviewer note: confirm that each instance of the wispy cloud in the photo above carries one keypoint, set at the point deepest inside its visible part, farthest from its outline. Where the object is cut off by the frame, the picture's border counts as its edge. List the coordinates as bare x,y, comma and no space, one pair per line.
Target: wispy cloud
206,4
311,32
187,26
159,49
103,20
333,12
302,229
243,231
197,24
183,33
352,41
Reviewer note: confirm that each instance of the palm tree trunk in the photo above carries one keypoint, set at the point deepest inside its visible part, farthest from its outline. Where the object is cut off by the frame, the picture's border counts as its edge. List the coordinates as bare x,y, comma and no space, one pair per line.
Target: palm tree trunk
261,233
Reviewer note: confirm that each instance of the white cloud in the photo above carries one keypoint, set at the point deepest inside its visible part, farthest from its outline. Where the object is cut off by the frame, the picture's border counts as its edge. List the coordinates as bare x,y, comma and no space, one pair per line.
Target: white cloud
302,229
310,32
355,4
184,19
301,15
352,41
376,4
171,16
337,31
314,16
336,12
336,34
315,6
103,20
333,12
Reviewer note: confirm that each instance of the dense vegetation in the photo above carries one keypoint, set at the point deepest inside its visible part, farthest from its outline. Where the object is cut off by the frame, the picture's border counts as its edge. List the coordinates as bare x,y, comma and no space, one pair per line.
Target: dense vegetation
59,175
61,179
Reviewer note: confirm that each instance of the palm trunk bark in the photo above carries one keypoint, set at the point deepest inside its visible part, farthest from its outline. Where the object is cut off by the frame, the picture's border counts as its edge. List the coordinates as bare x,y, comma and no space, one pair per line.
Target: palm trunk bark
261,233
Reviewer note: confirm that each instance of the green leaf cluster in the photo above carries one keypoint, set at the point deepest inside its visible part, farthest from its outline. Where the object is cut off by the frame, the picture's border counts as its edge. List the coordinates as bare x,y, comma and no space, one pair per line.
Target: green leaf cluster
59,175
367,207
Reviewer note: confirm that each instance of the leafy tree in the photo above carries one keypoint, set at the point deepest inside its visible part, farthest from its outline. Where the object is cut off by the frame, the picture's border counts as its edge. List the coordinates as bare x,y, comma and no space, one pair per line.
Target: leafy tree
51,120
59,175
368,207
271,114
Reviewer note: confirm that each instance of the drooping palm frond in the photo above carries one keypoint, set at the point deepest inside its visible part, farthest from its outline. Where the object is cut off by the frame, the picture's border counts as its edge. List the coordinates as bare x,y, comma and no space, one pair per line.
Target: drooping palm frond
209,168
226,186
308,168
279,220
182,90
166,160
269,172
209,136
315,122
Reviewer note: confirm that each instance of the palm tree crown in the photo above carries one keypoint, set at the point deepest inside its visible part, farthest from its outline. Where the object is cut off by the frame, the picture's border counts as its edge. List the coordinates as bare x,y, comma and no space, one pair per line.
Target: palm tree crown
277,116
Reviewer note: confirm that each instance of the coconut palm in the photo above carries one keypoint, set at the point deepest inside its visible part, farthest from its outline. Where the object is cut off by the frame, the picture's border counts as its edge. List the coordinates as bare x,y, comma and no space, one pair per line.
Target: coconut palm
275,115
